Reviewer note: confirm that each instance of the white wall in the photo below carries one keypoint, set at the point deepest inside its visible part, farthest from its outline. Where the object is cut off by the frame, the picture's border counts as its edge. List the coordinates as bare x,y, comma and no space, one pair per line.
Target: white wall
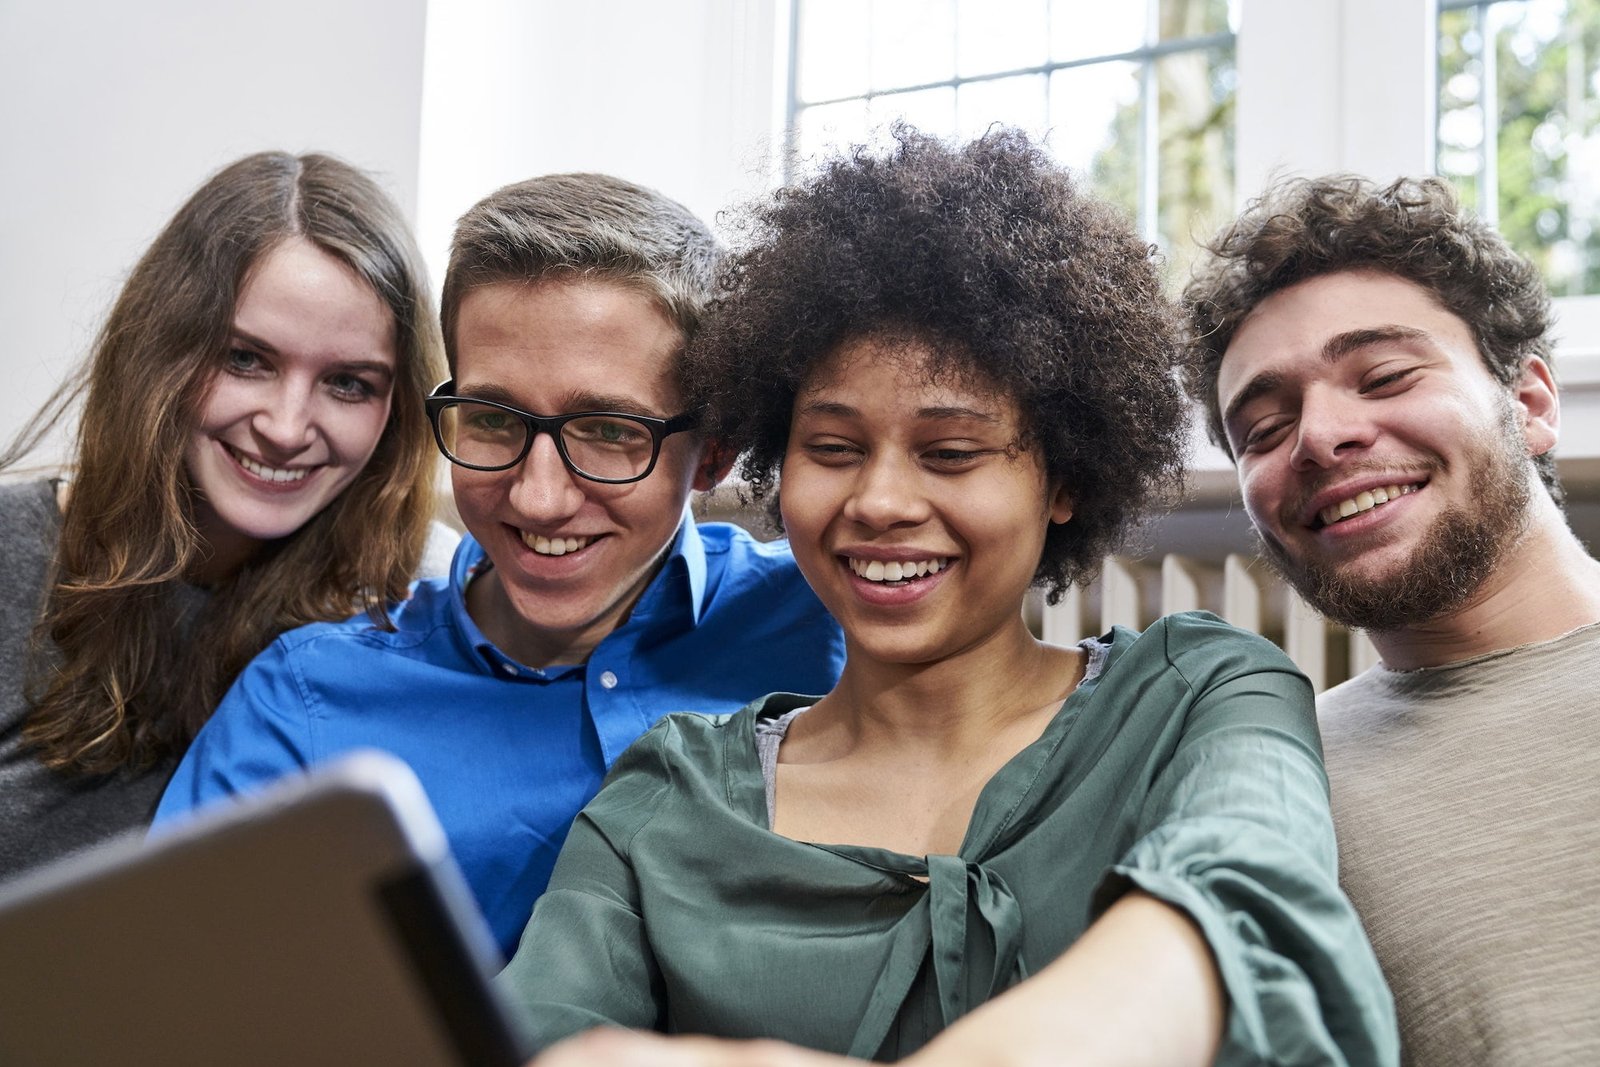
679,96
112,112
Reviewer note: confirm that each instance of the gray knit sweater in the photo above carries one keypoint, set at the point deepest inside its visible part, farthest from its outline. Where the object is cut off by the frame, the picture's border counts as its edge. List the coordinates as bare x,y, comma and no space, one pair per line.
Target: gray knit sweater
43,813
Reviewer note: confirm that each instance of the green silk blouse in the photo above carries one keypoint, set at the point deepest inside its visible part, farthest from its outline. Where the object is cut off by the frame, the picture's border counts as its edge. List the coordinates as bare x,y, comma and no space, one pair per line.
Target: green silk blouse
1189,768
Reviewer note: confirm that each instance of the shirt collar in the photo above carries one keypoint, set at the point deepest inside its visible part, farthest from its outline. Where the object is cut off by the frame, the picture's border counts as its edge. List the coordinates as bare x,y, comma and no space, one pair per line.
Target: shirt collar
681,583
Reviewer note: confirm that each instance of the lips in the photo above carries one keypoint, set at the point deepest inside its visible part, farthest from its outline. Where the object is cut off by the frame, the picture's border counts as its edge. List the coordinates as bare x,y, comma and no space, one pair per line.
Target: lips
553,546
281,476
896,571
1362,502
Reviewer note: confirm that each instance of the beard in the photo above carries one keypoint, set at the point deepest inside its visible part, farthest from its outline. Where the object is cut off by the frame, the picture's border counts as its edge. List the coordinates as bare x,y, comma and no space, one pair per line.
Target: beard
1450,562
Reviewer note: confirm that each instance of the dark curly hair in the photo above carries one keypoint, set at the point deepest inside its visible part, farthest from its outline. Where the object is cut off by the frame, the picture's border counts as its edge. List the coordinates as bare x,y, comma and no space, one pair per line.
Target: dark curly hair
1012,277
1414,228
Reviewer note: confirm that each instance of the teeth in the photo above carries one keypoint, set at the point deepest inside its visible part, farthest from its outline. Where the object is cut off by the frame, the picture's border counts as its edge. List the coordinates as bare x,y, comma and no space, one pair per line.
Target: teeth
554,546
879,571
270,474
1365,501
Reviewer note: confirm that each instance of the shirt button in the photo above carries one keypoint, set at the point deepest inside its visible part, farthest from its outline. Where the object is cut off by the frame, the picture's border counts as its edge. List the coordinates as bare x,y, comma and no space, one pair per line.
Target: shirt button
608,680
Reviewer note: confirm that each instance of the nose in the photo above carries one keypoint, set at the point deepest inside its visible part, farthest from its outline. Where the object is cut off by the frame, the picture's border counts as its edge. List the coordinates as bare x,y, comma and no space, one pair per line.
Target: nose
886,493
286,423
1331,428
544,491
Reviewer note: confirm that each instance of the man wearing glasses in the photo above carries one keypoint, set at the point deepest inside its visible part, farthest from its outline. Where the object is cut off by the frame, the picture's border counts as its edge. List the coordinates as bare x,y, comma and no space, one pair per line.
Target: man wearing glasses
584,604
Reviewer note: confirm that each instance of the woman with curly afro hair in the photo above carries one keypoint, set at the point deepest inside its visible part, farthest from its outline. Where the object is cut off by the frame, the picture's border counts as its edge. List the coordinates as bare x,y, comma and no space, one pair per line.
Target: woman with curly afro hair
977,847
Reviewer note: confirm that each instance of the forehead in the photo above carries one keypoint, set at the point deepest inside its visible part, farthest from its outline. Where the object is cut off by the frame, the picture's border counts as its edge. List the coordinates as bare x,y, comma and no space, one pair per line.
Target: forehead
885,374
1289,332
552,343
300,300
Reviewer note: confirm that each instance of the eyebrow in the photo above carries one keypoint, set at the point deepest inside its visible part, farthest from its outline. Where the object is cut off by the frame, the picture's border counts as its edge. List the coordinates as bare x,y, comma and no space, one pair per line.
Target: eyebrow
576,402
370,366
1333,350
826,407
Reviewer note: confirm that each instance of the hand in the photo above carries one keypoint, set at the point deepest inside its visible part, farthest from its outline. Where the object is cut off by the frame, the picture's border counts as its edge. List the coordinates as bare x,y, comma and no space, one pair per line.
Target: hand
628,1048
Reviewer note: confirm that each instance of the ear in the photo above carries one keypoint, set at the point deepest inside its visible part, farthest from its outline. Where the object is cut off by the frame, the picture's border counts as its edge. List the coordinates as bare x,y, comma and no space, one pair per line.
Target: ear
1538,406
716,460
1060,504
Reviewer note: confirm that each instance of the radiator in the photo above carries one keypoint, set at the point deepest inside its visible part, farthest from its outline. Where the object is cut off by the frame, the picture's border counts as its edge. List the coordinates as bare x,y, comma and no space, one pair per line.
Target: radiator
1243,590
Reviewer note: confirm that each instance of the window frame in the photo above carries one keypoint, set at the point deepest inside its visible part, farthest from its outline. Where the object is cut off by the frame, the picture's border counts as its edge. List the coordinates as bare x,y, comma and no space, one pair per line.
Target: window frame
1146,56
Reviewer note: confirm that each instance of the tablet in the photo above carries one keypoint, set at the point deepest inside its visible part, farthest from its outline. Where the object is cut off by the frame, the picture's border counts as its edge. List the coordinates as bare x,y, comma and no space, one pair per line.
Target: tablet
320,922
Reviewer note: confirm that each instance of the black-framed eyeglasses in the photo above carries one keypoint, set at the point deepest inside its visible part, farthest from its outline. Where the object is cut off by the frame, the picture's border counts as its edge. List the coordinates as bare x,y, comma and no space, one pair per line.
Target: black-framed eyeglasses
603,446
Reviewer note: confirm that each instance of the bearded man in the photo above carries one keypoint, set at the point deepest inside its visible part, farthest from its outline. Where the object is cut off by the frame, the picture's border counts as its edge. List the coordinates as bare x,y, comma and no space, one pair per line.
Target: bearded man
1376,362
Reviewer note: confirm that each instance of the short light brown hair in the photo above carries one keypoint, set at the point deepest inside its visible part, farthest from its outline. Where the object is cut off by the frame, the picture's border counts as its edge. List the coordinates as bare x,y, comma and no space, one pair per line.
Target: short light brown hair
582,226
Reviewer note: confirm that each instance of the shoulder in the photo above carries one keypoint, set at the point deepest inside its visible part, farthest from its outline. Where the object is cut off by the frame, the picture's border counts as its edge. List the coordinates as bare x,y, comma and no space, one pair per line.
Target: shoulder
740,570
1197,674
731,548
28,510
36,495
1348,698
414,620
30,524
1201,646
687,752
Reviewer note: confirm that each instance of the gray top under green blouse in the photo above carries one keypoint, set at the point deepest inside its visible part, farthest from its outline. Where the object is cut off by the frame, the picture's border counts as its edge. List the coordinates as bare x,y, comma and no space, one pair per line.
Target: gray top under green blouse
1189,768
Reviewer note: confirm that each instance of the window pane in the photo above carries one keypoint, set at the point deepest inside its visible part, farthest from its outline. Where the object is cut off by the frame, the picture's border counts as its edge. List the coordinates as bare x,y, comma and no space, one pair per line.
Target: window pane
1461,101
833,49
1547,119
932,111
1197,18
1083,29
820,130
913,42
1094,128
1000,35
1019,101
1195,144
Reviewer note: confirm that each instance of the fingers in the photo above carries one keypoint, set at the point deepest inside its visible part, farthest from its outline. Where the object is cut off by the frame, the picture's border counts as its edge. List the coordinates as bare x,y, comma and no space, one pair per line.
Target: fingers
626,1048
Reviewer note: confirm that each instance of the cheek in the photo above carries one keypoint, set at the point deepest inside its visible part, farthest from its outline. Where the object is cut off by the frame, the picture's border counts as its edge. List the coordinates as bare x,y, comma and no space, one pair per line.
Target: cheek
1261,492
225,403
477,494
356,431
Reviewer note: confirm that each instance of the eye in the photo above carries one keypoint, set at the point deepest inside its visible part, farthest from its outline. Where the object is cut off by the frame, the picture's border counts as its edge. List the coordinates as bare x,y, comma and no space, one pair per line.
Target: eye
1263,437
488,421
616,433
351,387
952,458
243,361
832,452
1387,383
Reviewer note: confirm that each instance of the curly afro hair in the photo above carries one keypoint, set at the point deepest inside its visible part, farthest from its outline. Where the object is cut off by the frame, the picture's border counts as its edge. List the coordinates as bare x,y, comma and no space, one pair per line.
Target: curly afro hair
990,255
1414,228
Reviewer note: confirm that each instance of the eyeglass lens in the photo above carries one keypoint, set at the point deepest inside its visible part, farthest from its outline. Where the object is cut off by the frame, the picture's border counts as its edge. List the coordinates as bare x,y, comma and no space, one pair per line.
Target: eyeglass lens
601,446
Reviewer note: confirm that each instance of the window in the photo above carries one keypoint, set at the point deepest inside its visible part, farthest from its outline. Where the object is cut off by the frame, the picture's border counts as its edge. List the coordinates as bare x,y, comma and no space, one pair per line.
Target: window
1137,97
1519,126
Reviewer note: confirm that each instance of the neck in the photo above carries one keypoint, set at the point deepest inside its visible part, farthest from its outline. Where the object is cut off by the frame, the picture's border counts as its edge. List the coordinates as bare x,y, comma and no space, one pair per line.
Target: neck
955,703
223,553
1547,585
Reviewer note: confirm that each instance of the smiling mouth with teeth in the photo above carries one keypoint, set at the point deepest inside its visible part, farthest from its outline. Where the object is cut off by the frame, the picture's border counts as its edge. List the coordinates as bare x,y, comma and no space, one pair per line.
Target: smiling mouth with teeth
895,573
266,473
554,546
1362,502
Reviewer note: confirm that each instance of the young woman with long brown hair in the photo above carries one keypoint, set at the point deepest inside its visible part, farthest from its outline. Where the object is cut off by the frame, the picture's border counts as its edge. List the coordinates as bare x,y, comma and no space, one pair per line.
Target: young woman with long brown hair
251,455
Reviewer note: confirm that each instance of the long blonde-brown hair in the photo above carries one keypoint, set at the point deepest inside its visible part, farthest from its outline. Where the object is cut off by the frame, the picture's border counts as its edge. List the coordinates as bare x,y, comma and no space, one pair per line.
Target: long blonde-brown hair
113,684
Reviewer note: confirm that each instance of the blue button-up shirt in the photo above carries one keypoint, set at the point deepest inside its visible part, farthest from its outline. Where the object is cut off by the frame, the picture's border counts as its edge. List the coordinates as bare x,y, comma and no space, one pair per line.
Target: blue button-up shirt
508,753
